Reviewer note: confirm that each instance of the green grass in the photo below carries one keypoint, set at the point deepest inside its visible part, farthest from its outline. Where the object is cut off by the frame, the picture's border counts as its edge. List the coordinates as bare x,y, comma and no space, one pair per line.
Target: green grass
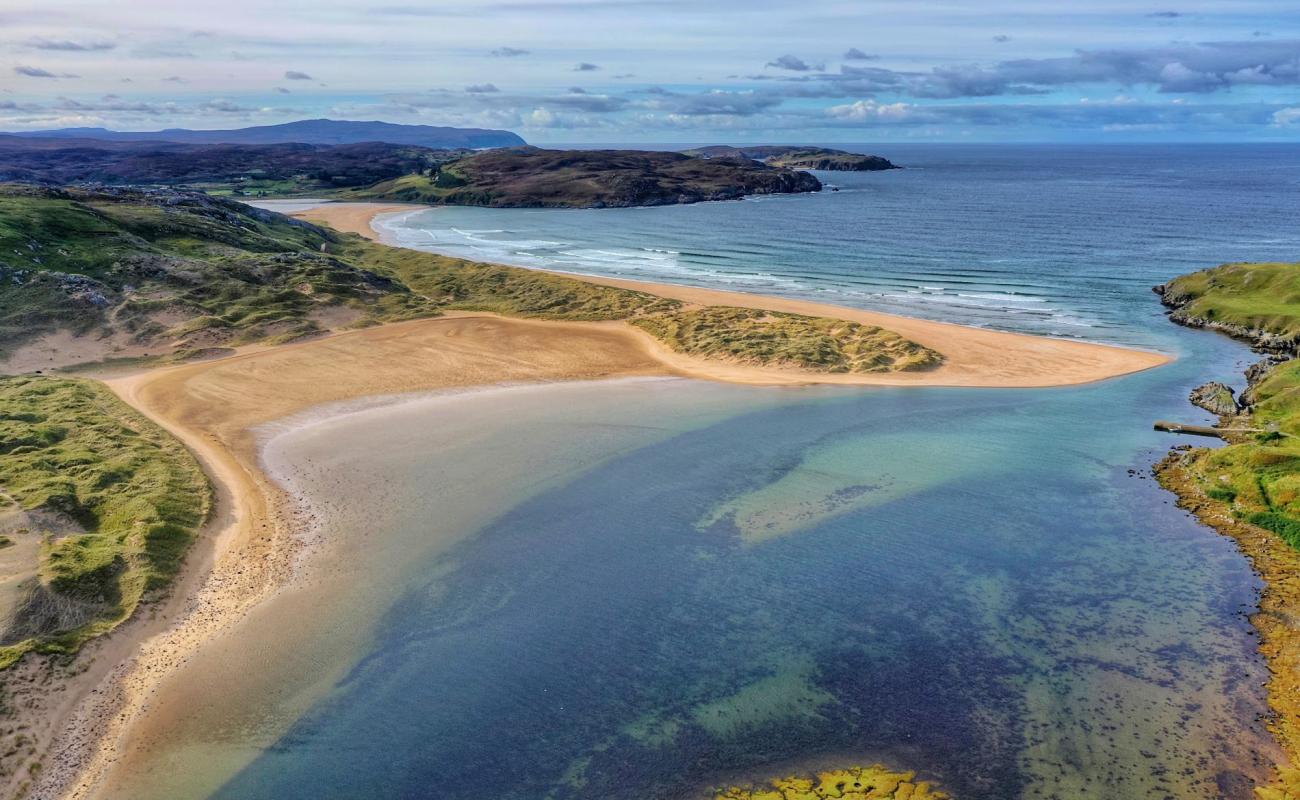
184,272
115,263
69,446
454,284
1262,297
769,338
1257,476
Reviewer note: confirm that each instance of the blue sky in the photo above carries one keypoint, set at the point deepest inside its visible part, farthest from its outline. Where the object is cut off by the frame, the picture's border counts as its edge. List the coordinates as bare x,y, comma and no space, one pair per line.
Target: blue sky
667,70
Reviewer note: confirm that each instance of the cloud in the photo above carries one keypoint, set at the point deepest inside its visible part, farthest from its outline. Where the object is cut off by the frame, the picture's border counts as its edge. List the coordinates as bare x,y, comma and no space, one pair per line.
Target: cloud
715,102
586,66
295,75
1165,14
1001,38
282,90
69,46
509,52
220,105
34,72
794,64
513,103
854,54
1176,68
1286,117
162,51
864,110
174,79
481,88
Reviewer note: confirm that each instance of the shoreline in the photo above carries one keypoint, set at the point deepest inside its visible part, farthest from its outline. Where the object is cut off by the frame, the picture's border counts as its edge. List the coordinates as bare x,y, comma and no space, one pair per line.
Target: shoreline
246,552
974,357
1278,566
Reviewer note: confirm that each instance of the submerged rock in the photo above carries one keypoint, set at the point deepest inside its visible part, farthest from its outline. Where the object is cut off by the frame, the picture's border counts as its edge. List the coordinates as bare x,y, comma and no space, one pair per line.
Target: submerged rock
854,783
1217,398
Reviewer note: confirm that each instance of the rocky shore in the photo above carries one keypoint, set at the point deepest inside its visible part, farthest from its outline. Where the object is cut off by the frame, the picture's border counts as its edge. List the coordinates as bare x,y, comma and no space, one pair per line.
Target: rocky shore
1275,560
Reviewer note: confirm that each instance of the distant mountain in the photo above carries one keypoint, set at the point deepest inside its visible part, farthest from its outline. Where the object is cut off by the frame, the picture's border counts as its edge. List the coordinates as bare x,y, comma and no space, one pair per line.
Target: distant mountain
307,131
239,169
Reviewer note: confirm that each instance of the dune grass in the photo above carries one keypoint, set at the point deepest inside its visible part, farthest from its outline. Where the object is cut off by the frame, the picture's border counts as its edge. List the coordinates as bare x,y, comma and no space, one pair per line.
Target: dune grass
447,283
186,273
69,446
770,338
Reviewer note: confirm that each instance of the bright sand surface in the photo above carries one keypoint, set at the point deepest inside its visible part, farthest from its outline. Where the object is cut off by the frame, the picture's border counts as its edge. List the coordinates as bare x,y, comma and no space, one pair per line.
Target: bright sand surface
247,554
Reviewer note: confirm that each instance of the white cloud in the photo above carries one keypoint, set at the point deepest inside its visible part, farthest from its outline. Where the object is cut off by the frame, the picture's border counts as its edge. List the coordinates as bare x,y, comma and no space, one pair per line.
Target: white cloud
870,110
1287,117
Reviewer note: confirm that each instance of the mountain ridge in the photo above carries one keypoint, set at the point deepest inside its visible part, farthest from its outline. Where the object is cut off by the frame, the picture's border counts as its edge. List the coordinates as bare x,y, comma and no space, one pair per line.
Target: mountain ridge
307,131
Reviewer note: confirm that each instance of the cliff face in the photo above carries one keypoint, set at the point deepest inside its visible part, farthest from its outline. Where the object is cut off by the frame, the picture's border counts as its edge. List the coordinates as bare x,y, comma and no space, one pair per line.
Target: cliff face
535,178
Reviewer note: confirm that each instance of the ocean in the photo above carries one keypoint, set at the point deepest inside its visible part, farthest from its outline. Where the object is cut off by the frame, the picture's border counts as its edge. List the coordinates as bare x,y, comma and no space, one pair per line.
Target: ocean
650,588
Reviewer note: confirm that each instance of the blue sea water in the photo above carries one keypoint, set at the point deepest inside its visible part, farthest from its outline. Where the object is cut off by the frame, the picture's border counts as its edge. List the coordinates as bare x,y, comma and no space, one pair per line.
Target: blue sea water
1046,239
983,585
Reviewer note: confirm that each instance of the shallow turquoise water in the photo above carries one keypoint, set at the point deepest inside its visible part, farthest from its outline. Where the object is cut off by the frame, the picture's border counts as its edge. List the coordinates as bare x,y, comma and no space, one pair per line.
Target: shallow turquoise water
979,584
965,582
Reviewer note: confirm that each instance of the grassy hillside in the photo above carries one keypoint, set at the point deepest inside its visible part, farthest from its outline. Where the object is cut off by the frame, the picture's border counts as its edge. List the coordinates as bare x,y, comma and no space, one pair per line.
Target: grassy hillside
176,271
173,274
1249,300
1257,475
535,178
769,338
71,449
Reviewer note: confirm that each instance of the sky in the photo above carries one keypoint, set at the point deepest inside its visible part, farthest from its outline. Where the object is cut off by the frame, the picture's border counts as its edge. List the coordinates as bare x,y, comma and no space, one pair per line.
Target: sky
667,71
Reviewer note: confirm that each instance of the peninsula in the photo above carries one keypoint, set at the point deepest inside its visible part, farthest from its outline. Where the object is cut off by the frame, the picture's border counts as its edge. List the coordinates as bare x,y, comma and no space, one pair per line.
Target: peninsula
530,177
796,157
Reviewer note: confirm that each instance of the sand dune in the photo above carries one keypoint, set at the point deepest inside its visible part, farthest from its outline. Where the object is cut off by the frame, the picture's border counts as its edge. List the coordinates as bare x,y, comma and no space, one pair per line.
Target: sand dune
973,356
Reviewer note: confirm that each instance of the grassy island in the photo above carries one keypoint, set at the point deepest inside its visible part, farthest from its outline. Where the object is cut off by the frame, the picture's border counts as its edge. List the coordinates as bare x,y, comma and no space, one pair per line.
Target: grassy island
110,504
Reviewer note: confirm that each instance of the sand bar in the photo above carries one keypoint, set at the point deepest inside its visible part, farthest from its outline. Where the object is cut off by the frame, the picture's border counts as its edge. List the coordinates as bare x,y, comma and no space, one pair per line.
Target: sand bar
974,356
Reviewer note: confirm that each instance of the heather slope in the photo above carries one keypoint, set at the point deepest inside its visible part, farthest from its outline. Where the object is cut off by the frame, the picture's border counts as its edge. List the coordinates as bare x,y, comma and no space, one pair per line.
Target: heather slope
531,177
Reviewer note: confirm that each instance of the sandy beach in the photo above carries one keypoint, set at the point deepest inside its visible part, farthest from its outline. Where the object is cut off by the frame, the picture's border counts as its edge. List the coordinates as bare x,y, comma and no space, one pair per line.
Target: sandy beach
973,356
247,552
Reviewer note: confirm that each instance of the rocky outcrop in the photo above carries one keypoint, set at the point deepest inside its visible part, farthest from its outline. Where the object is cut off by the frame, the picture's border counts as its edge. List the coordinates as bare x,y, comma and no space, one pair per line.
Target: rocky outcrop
798,157
1259,339
1217,398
